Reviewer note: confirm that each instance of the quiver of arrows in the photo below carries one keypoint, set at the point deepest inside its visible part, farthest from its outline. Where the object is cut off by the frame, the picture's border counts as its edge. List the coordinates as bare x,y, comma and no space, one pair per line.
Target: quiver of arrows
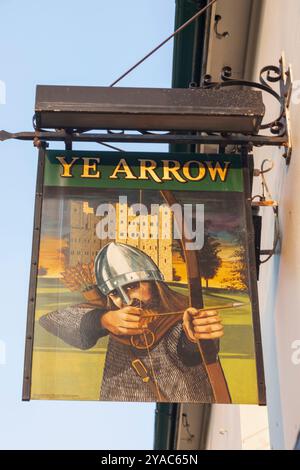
81,278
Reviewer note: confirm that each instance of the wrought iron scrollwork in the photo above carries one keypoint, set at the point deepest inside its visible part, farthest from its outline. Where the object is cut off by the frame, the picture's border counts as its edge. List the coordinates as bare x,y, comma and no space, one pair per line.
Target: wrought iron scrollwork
276,126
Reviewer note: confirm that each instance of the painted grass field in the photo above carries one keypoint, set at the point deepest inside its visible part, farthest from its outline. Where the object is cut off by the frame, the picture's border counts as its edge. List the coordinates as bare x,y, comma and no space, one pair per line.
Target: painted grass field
64,373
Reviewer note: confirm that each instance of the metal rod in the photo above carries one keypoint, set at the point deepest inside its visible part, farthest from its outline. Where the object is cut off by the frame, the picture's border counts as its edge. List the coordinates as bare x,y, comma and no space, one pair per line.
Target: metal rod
237,139
183,26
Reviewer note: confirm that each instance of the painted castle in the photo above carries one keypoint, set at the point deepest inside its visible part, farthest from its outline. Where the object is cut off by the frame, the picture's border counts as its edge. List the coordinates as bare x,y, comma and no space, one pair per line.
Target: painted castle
151,233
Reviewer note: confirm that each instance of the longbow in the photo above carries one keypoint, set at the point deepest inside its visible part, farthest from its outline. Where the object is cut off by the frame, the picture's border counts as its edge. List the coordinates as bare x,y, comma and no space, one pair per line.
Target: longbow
207,348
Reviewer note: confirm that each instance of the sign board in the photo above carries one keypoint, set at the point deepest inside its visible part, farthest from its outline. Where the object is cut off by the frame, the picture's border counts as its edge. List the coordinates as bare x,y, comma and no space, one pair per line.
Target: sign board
143,282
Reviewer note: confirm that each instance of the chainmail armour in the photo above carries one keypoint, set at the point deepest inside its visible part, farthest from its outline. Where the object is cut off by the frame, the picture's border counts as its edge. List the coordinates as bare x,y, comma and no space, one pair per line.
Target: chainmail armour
177,365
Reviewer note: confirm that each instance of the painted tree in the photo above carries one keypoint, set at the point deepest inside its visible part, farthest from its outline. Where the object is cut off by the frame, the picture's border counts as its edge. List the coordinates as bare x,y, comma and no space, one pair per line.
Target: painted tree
237,278
209,258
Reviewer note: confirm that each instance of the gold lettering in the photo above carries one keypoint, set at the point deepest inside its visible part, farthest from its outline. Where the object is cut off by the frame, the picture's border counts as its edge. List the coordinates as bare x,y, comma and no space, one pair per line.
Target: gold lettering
88,167
187,171
66,166
123,167
148,169
167,170
218,170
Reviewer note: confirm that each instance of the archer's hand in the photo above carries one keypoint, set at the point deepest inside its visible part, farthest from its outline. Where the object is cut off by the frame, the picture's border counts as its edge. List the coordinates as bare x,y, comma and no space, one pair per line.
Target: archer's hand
125,321
199,324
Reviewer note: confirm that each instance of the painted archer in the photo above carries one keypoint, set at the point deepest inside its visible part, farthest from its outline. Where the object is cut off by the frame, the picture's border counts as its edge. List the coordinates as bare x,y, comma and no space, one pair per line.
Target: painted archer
152,352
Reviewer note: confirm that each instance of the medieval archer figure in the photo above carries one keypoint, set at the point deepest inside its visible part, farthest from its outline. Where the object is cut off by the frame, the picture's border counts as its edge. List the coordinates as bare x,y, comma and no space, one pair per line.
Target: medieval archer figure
152,351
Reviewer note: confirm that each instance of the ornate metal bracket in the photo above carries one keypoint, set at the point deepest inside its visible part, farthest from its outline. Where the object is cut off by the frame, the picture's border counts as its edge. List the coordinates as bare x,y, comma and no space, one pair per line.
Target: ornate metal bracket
276,238
279,131
270,74
265,200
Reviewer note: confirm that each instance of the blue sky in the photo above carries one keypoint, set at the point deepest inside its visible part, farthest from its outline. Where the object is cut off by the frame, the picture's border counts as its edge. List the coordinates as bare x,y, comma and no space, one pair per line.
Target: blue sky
74,43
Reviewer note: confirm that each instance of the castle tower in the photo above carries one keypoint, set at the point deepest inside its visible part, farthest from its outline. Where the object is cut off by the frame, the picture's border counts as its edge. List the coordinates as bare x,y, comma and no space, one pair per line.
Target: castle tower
83,241
151,233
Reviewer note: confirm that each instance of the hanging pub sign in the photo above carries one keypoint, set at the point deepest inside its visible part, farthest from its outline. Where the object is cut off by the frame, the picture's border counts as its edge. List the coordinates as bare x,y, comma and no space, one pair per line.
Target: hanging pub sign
143,282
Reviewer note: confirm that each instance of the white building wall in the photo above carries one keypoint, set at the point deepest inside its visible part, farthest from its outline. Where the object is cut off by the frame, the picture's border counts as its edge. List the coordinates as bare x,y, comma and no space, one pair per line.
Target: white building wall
225,428
254,427
274,27
279,286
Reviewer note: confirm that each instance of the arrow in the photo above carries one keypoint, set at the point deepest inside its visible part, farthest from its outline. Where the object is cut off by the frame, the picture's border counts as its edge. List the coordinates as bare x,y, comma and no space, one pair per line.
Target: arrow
207,309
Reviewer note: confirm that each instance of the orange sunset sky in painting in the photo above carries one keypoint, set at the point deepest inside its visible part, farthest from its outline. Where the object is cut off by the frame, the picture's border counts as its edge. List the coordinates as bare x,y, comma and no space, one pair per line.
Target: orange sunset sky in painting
51,255
52,259
224,271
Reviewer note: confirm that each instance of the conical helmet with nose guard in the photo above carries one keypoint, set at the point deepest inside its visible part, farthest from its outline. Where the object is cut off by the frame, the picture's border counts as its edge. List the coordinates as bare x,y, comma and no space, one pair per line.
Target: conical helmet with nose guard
117,265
